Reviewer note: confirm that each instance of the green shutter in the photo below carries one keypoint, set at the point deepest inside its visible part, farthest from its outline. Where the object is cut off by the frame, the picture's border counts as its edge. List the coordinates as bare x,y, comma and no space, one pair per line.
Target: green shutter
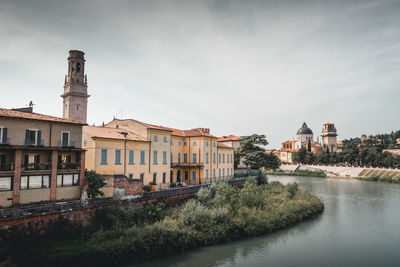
27,137
39,137
4,135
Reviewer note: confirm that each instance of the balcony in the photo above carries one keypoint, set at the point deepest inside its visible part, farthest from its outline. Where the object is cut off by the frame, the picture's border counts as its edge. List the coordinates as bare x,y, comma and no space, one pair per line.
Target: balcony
187,165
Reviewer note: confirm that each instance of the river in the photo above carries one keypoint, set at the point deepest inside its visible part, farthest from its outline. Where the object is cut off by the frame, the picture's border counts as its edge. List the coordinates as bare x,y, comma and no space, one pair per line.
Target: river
360,226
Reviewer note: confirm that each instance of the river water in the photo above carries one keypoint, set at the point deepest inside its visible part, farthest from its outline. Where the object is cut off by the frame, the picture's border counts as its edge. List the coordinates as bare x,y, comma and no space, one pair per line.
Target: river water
360,226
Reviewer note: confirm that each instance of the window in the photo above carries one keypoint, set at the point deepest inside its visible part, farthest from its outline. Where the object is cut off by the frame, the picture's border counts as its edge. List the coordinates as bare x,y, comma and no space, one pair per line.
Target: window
64,180
214,173
131,157
165,139
33,137
64,139
35,182
5,183
194,155
206,143
185,158
219,173
164,177
219,158
231,172
194,176
156,138
223,172
231,158
171,142
213,157
164,155
142,177
154,178
104,156
117,157
179,143
194,143
155,155
185,143
214,144
223,158
179,158
131,176
207,174
206,157
142,157
172,158
3,135
186,175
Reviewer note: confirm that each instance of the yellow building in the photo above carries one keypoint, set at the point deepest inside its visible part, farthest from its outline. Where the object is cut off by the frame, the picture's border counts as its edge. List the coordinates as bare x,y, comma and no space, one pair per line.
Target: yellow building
161,155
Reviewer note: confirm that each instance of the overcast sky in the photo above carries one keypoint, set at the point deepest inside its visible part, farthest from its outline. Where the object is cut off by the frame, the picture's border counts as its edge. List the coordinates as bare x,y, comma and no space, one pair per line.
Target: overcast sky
237,67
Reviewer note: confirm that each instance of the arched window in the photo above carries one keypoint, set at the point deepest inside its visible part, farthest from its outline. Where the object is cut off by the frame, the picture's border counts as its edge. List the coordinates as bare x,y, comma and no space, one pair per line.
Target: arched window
78,67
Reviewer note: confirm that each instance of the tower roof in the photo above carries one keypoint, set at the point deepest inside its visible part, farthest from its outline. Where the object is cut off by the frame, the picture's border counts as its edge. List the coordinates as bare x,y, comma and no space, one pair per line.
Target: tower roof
304,130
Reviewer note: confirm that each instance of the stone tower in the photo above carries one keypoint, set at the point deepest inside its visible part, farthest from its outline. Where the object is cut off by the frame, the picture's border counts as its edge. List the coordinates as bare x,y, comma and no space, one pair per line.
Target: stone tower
329,137
75,88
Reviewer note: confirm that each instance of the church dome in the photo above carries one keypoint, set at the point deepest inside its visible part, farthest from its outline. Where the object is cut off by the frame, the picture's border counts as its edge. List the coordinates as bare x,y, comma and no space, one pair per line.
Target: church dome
304,130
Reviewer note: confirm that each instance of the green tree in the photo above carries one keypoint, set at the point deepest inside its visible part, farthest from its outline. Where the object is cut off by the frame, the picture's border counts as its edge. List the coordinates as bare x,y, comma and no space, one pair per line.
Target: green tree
252,151
95,183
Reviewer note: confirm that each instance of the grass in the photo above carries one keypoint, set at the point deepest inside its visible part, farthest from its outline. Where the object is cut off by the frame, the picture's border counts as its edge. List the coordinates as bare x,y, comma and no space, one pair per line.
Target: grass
219,214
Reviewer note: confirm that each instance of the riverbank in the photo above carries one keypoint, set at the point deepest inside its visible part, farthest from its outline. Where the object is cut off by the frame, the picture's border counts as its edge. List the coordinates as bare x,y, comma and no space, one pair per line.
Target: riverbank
219,214
308,173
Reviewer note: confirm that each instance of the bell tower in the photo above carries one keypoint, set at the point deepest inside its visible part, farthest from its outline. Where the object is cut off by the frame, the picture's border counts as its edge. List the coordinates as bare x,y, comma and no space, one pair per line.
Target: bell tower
75,88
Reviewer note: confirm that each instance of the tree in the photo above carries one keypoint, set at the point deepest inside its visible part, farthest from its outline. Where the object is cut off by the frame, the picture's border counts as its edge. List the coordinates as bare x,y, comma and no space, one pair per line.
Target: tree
253,153
95,183
309,145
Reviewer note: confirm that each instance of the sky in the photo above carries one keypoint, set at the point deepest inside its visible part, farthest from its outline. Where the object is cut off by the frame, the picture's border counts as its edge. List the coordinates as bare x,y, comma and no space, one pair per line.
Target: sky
234,66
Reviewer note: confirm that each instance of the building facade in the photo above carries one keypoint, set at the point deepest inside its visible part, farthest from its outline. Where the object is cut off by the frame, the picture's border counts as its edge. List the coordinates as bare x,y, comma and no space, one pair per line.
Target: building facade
305,138
234,142
41,158
161,155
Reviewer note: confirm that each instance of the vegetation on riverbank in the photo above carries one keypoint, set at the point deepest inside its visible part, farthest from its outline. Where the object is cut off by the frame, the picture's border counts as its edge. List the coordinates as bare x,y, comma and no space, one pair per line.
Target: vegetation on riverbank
219,214
386,176
309,173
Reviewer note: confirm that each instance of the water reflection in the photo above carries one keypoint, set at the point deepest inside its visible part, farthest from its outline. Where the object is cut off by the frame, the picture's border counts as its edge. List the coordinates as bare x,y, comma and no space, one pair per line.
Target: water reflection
359,227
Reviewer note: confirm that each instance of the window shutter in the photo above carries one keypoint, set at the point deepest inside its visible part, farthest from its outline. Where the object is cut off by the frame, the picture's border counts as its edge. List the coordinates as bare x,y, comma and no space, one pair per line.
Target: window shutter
26,160
4,135
27,137
39,137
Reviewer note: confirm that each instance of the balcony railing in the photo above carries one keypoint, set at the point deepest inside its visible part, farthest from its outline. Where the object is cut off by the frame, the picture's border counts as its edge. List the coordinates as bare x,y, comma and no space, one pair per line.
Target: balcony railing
7,167
70,144
68,166
186,165
5,141
29,143
33,166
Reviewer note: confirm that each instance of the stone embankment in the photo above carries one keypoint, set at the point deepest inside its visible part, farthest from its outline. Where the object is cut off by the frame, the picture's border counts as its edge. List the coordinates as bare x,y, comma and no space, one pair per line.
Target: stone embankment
345,172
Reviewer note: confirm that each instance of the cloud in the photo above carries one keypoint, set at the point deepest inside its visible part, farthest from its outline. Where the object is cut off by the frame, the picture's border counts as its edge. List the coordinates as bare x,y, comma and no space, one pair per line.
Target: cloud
238,67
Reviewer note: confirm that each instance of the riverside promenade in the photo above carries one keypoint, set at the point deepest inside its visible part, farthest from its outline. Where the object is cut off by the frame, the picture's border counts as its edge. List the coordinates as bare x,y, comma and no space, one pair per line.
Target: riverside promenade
345,171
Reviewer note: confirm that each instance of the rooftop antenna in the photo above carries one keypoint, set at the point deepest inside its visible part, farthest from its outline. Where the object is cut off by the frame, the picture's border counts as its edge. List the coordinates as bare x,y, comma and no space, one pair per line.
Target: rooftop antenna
31,104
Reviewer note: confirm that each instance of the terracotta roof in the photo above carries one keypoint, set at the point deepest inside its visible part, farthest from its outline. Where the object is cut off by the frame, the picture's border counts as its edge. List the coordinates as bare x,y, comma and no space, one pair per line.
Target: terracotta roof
8,113
229,138
175,132
224,146
112,133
